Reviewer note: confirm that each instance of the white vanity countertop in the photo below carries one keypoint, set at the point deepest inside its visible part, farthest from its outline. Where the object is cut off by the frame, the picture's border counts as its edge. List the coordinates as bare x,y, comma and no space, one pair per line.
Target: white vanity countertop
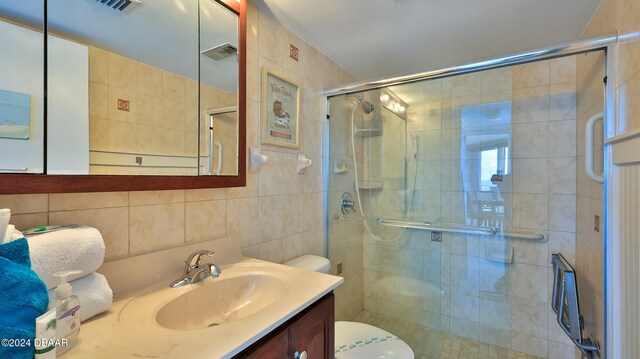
129,329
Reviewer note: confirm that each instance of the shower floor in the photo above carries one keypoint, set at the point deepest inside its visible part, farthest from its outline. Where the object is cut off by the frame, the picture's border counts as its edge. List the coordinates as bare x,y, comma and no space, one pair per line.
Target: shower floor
433,344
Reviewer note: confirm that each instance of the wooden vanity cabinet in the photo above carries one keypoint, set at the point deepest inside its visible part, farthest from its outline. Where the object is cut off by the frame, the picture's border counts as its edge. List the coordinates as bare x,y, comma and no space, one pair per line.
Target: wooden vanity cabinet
311,331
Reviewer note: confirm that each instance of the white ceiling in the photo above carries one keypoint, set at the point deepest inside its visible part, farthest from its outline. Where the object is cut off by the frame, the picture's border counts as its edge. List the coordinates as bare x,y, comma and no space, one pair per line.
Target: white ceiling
378,38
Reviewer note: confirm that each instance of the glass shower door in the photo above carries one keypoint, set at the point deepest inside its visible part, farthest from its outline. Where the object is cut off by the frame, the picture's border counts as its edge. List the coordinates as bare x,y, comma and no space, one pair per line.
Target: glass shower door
461,199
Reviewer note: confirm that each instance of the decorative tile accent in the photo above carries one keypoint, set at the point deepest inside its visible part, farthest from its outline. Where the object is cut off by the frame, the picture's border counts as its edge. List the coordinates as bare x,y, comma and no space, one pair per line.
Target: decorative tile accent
123,105
293,52
365,342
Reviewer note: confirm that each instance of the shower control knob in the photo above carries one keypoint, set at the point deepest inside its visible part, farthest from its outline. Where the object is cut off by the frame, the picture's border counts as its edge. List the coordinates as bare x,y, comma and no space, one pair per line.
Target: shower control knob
346,204
298,355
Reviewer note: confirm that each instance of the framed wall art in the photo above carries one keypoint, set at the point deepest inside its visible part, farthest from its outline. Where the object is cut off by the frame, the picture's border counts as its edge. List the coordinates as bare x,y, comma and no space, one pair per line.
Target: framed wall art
15,115
280,111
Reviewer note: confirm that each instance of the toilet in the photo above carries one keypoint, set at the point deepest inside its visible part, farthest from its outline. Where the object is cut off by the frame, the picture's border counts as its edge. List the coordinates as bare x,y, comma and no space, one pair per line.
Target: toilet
357,340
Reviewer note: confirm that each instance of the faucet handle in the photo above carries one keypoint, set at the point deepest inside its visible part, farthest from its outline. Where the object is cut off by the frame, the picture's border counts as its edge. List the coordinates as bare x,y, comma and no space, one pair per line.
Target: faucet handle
193,261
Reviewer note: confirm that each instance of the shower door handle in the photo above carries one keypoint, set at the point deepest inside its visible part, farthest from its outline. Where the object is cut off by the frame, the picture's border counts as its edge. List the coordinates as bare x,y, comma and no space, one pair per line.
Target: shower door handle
588,150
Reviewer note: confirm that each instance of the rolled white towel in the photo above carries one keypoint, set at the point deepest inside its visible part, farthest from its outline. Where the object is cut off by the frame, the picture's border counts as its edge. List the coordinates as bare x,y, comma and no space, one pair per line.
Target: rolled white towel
5,216
94,293
80,248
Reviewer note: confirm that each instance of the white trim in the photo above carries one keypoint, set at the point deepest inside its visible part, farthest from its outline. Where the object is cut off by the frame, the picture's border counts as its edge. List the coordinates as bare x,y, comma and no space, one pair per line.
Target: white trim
623,137
612,256
626,152
611,200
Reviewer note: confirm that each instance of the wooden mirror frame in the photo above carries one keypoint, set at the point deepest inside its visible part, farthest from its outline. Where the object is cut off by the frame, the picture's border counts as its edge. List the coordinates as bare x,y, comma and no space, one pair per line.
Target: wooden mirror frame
43,183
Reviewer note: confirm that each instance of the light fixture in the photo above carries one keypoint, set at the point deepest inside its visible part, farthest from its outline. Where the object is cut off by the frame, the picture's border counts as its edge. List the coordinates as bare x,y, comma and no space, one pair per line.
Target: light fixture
393,103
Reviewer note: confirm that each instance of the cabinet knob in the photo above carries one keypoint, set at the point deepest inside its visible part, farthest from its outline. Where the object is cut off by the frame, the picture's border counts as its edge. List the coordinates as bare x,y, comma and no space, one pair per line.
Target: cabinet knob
298,355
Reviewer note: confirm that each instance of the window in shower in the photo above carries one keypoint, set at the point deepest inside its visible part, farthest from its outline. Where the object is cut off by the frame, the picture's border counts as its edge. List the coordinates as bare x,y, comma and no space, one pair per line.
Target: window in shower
493,164
485,141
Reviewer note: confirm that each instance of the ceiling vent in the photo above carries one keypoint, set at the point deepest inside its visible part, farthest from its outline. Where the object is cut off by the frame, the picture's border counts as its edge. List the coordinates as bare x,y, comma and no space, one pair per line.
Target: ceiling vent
221,51
120,5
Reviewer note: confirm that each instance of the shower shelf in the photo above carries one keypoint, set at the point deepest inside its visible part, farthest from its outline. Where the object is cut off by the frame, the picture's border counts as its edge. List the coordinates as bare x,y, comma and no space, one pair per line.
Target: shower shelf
368,132
371,185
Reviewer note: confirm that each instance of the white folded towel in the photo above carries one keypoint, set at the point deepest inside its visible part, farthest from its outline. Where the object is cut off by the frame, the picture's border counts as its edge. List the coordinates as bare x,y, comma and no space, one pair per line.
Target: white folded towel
94,293
5,215
11,234
80,248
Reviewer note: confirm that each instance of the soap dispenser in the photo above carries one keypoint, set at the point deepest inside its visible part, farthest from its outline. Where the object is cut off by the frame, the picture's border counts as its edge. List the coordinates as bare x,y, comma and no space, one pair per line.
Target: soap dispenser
67,312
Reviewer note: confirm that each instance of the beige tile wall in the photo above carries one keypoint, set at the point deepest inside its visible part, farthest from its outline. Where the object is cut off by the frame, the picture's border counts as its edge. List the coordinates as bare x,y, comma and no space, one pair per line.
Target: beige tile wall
452,286
590,197
620,16
278,215
345,235
163,108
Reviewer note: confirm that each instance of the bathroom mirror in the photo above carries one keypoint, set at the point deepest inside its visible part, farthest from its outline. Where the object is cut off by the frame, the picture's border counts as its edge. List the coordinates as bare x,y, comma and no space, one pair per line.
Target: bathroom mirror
138,95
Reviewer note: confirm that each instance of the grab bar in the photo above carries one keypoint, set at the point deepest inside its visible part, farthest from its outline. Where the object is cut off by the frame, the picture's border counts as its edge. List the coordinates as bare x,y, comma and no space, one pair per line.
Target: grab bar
491,231
430,227
588,152
564,303
534,236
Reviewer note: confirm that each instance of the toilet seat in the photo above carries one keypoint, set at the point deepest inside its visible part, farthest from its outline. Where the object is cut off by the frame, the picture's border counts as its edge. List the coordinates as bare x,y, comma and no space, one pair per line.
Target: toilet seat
310,262
364,341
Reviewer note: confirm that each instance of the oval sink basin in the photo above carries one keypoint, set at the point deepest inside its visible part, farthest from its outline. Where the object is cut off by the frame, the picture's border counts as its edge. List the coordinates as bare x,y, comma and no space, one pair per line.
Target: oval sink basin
221,300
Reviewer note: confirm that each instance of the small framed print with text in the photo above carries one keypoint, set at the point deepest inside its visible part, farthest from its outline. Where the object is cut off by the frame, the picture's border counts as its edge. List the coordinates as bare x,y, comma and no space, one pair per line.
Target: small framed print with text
280,111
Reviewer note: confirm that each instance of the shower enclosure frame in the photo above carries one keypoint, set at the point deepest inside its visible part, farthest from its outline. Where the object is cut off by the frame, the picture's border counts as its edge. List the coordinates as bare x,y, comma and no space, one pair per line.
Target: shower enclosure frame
606,43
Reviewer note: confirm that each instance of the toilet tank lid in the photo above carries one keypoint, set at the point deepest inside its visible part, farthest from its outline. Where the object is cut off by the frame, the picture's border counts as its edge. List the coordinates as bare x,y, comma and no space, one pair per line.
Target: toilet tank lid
311,262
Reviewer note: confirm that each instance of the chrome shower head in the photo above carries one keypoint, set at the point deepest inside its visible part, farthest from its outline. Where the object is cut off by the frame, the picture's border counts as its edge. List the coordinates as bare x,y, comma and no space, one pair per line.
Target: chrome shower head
367,107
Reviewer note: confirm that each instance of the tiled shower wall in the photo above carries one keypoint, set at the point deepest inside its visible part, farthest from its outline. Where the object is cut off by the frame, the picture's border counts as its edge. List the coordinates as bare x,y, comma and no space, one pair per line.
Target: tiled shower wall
345,234
451,285
590,252
279,215
619,16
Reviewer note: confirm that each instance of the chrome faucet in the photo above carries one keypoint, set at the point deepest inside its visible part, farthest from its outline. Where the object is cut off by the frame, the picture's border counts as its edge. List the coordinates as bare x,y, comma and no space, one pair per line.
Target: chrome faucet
195,271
